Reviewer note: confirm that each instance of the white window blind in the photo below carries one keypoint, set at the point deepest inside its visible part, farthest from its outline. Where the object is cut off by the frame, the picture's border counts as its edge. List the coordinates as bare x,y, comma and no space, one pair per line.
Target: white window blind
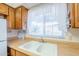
47,20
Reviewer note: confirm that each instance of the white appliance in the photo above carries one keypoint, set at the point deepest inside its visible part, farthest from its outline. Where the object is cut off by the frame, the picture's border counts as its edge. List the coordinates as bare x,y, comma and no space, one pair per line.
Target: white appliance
3,37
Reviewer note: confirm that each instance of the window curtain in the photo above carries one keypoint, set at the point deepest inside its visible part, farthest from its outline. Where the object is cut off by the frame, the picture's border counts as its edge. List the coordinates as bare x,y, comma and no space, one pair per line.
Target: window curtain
48,20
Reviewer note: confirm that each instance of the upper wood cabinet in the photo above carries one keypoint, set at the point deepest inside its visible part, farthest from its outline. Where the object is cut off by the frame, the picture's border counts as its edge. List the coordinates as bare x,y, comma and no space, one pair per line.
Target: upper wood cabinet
74,15
24,17
18,18
11,18
21,17
77,15
3,9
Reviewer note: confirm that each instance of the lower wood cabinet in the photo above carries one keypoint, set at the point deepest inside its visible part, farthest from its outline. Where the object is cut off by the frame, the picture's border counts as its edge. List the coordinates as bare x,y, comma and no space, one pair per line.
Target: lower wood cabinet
13,52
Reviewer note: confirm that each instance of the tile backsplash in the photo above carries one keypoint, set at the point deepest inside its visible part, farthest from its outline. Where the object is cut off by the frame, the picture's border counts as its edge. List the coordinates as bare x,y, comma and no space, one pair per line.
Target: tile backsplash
12,33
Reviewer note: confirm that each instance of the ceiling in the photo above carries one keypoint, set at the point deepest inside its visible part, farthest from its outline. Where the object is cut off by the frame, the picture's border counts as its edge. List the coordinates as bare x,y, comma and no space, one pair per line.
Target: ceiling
27,5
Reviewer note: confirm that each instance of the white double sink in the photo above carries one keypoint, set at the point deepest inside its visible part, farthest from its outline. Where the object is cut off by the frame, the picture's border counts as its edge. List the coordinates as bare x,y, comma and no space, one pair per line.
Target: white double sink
39,48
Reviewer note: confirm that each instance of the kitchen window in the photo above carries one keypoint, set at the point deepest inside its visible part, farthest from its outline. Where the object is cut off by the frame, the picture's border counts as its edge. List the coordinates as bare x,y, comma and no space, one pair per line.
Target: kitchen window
48,20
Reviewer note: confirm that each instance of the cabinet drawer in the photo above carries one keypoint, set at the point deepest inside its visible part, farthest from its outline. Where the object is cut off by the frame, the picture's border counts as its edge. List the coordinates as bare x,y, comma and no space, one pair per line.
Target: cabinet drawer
3,9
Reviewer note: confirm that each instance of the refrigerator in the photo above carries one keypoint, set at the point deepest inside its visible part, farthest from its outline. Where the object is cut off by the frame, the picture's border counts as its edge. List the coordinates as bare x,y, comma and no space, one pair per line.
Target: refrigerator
3,37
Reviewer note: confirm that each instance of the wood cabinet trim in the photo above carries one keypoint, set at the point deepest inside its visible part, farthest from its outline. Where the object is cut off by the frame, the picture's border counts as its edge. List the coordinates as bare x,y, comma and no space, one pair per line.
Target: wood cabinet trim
7,5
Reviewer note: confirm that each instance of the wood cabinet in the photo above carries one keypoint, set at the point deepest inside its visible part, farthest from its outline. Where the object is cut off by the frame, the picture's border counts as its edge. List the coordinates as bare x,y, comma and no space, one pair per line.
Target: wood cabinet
74,15
3,9
24,17
77,15
21,17
11,18
13,52
16,17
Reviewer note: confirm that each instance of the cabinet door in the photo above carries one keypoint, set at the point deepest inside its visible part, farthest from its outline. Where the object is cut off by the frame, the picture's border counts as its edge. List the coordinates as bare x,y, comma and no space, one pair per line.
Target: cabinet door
11,52
72,15
18,18
3,9
77,15
24,17
11,19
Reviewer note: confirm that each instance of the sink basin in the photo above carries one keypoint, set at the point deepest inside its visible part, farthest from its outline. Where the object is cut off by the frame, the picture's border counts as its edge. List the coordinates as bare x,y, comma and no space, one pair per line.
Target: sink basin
39,48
